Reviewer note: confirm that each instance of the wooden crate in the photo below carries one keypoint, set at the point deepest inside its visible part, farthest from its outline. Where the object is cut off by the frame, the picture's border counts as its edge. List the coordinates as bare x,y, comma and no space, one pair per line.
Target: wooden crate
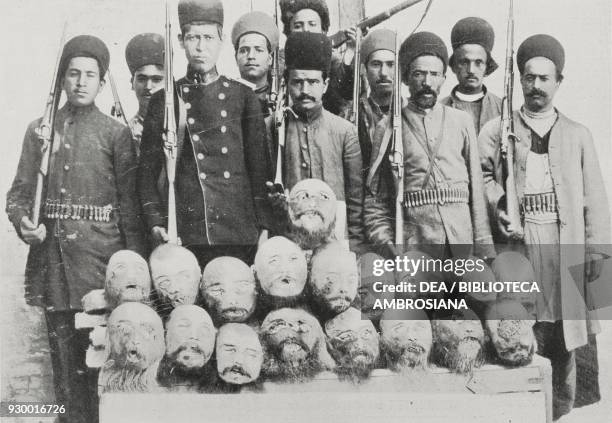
493,394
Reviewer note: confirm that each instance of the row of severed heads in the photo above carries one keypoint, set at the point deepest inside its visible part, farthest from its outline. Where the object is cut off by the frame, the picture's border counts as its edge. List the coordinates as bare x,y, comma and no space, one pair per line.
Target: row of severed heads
290,345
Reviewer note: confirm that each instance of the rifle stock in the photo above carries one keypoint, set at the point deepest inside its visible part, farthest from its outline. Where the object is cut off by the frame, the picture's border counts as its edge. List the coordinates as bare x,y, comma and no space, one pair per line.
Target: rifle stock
45,132
508,137
170,138
340,37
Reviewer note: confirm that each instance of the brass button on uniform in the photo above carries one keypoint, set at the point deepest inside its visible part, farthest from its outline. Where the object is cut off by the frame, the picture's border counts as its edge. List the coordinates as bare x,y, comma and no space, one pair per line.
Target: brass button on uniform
304,165
188,106
191,121
224,150
196,137
185,89
224,129
67,146
66,167
63,190
221,96
225,84
200,156
223,113
202,176
226,174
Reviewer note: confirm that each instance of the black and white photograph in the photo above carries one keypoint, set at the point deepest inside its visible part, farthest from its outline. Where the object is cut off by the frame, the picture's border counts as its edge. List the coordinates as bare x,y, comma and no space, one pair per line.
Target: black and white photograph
306,210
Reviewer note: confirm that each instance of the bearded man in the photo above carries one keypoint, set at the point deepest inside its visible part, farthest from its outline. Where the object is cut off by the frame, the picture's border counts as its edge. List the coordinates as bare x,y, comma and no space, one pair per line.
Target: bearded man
443,200
294,344
458,340
354,344
176,277
405,339
190,343
312,213
135,347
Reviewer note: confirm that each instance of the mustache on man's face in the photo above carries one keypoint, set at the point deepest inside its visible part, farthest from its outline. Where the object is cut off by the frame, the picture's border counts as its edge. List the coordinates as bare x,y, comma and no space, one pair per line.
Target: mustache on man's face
384,80
303,97
425,91
237,369
535,92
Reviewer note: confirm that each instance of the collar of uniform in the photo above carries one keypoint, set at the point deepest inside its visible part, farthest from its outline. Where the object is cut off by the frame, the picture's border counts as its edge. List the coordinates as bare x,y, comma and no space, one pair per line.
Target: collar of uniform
82,110
193,77
312,116
455,95
413,108
262,90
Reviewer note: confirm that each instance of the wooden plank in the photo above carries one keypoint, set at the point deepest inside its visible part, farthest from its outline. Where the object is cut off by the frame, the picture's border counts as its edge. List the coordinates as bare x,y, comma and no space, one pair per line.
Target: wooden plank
349,12
311,407
492,394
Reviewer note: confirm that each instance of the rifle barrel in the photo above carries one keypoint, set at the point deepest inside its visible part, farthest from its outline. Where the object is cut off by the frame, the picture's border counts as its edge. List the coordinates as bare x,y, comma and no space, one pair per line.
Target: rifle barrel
45,131
340,38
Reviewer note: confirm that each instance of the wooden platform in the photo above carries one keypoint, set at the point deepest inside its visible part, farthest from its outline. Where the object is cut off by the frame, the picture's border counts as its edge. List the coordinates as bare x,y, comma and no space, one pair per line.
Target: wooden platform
493,394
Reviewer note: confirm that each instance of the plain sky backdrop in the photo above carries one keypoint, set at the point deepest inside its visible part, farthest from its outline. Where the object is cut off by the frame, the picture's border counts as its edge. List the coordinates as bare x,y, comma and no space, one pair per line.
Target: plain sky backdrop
31,31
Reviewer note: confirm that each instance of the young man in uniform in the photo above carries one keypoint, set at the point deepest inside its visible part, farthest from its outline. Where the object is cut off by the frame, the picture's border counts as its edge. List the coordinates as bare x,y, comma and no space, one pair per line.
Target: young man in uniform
144,55
472,40
89,211
443,200
564,210
222,166
255,39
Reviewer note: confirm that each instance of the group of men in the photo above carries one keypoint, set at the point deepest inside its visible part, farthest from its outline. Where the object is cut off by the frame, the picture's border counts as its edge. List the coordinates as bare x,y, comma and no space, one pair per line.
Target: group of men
454,191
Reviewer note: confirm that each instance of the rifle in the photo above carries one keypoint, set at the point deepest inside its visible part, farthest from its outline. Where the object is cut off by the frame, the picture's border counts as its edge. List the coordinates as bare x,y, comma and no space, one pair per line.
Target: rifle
340,37
508,137
45,132
397,148
280,105
117,110
356,80
170,138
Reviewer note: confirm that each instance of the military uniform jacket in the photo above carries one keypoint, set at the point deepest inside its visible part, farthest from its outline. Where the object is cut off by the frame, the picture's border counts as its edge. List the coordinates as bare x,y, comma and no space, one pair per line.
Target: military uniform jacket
491,106
92,163
456,167
221,169
582,205
326,148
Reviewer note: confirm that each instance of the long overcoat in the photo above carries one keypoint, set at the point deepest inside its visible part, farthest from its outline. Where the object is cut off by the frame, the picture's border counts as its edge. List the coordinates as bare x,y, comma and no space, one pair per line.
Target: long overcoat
92,163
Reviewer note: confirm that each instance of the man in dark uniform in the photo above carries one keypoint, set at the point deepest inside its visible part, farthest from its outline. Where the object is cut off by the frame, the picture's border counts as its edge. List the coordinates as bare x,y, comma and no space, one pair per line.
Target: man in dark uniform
472,40
318,143
313,16
144,55
255,39
222,166
378,56
90,212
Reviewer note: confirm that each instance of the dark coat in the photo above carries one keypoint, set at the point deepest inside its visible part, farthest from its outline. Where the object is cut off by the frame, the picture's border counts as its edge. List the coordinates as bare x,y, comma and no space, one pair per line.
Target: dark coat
92,163
222,165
